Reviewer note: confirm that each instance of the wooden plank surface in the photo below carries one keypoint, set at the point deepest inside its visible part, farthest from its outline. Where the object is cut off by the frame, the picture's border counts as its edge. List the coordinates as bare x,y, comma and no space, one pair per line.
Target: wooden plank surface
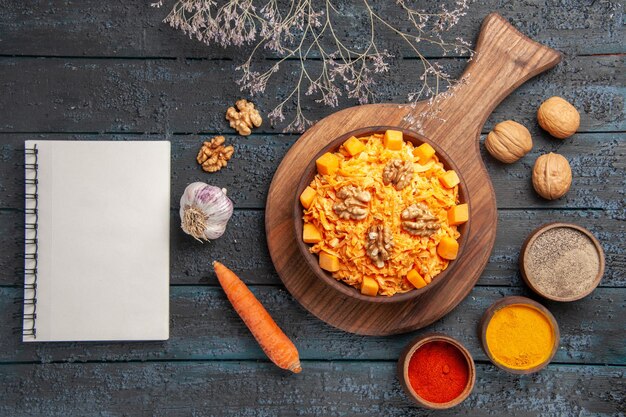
98,67
244,247
322,389
121,28
203,326
160,96
597,161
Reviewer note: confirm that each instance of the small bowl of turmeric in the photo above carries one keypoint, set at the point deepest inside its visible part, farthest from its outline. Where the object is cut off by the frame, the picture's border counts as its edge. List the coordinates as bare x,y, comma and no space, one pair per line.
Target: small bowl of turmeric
519,335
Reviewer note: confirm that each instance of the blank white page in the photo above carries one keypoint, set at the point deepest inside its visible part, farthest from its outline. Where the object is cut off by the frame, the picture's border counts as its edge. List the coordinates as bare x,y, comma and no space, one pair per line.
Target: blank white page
103,226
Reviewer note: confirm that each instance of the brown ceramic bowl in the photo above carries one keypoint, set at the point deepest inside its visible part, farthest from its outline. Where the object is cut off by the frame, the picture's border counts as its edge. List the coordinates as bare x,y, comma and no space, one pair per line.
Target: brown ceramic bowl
506,301
403,370
312,259
528,276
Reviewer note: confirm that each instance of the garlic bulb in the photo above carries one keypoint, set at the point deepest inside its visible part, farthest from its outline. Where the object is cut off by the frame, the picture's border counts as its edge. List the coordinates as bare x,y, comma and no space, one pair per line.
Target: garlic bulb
205,211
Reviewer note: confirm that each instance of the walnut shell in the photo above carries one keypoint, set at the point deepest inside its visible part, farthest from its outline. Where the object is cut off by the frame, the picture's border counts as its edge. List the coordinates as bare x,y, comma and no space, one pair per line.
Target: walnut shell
508,141
552,176
558,117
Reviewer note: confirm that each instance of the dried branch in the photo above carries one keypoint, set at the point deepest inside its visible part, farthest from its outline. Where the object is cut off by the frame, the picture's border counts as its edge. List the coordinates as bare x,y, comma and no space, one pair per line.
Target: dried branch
305,30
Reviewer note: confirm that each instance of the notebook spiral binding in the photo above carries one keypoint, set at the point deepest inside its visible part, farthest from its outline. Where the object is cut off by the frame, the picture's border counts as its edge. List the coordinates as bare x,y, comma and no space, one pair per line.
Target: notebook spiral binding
31,247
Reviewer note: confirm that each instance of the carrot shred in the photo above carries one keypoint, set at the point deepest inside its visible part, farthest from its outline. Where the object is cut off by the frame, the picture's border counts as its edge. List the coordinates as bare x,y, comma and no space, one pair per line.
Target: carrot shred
276,345
348,237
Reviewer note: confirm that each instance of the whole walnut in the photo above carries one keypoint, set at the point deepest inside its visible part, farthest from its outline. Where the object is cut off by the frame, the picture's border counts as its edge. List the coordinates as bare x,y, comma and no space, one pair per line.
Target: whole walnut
552,176
508,141
558,117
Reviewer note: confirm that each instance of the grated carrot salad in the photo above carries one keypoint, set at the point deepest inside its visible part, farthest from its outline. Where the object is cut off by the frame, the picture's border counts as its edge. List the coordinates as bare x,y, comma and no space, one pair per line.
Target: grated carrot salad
346,239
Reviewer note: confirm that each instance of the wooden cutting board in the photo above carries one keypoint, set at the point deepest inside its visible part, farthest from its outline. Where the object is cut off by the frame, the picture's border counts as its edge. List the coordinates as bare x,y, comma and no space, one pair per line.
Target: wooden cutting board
453,120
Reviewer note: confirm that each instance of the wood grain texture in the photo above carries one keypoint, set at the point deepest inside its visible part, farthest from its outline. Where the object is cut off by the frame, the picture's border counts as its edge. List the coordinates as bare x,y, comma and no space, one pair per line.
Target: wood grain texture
322,389
140,81
597,161
120,28
451,123
188,96
203,326
244,243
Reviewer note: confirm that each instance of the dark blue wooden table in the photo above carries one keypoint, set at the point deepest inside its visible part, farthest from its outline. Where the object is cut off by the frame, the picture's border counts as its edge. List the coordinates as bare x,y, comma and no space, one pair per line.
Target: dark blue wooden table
94,70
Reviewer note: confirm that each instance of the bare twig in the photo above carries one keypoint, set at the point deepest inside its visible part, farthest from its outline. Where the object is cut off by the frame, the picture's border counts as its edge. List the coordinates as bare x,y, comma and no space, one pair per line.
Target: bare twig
305,30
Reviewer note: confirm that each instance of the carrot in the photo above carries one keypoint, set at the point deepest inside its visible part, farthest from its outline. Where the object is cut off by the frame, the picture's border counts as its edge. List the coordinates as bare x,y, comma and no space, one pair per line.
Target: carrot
276,345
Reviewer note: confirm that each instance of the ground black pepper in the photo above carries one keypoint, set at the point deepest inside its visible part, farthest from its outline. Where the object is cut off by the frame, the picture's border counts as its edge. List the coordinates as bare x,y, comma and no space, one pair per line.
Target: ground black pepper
562,262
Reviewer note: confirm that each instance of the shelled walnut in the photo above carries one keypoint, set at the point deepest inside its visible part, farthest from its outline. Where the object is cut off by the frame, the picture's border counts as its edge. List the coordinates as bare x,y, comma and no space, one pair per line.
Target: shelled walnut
213,155
398,172
419,221
244,117
379,244
352,204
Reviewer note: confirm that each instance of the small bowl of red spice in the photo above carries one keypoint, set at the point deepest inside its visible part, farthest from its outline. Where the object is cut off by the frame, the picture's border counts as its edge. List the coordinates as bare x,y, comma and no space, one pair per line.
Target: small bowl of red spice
436,371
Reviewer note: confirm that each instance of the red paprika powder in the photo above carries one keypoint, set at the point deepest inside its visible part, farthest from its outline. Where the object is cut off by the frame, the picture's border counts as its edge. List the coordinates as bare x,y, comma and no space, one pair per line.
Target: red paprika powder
438,372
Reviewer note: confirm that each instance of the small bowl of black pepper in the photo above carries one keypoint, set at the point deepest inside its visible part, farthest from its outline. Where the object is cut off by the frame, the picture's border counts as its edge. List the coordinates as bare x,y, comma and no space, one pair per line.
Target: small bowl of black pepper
562,261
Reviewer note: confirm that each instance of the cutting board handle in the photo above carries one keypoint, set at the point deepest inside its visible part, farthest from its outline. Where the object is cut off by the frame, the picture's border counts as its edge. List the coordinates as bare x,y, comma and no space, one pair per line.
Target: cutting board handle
504,59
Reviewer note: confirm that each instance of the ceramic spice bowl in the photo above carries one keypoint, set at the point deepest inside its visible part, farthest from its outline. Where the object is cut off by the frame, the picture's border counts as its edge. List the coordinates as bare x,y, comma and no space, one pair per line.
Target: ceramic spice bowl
562,261
519,335
436,371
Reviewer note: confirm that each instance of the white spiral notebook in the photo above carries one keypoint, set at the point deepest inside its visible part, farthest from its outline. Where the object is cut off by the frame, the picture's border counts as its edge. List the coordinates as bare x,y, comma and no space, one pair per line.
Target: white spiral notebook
96,241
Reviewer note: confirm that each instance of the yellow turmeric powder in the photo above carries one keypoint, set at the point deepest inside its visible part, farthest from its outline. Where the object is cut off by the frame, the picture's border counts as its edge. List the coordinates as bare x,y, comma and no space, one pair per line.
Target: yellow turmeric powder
520,337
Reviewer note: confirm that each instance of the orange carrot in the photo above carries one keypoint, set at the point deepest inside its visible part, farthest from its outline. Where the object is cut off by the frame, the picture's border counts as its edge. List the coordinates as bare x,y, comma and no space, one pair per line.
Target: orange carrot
270,337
